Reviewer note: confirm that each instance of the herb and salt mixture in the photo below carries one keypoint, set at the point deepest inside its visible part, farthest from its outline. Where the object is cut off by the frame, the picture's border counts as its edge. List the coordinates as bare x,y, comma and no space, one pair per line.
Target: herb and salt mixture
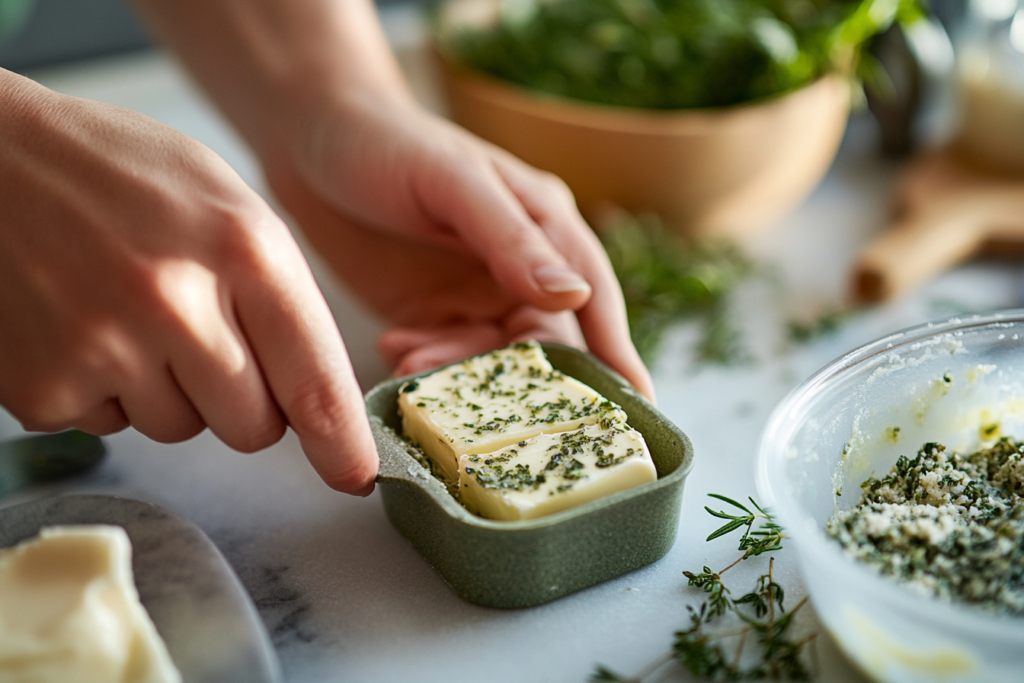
947,524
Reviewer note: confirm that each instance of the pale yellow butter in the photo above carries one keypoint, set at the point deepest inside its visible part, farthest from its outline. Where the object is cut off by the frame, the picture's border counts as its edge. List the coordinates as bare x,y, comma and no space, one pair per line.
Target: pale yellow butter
69,612
492,401
553,472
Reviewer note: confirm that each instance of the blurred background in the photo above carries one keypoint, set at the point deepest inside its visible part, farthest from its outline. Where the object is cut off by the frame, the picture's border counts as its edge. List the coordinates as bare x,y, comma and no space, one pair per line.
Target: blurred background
714,135
64,30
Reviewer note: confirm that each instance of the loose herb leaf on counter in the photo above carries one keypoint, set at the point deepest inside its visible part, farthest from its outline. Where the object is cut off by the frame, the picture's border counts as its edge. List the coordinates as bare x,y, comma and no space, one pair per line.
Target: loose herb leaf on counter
765,636
665,54
827,322
765,539
667,280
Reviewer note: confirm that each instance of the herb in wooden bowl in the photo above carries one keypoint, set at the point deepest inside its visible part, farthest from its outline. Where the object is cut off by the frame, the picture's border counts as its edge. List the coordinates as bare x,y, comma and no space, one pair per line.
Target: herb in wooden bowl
667,54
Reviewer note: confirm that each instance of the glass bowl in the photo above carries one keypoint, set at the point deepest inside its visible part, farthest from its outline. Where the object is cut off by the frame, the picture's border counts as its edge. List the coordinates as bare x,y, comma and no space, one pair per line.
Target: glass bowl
943,382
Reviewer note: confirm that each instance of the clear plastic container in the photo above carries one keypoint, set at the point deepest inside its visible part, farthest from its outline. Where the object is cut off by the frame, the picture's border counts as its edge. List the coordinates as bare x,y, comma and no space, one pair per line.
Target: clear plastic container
837,428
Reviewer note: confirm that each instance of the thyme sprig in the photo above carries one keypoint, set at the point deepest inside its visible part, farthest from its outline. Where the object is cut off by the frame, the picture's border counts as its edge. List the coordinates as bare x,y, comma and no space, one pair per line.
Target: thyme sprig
765,539
718,655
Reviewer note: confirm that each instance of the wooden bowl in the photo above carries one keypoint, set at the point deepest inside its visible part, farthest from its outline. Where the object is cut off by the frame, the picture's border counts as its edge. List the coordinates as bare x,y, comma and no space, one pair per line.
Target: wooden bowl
721,171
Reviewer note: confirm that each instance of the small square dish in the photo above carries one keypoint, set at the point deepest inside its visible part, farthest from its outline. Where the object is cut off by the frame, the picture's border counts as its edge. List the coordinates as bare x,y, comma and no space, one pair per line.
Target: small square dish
526,563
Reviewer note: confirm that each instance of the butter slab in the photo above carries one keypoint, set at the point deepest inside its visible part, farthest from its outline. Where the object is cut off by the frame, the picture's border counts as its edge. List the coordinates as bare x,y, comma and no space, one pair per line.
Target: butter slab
553,472
69,611
492,401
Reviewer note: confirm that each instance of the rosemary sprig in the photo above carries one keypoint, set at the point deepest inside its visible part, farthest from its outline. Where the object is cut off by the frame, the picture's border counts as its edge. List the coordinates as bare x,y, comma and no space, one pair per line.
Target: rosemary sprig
718,655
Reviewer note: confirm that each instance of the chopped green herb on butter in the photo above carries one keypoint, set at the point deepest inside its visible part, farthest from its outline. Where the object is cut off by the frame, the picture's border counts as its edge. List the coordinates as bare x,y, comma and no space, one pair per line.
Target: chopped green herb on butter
518,439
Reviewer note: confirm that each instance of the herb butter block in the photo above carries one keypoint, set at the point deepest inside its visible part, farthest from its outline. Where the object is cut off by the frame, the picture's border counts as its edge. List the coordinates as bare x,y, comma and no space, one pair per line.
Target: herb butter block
492,401
516,439
554,472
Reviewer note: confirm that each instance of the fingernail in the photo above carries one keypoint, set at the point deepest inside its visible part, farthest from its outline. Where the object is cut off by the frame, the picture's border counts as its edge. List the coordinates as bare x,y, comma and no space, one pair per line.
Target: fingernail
559,279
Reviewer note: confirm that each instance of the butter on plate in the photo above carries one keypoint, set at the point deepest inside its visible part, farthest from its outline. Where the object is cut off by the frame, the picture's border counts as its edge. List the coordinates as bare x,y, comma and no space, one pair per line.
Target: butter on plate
491,424
69,611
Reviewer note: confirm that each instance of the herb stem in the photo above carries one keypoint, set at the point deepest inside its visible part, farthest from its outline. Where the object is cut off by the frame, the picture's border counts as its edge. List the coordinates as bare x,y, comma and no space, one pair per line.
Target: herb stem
704,654
739,648
738,560
652,668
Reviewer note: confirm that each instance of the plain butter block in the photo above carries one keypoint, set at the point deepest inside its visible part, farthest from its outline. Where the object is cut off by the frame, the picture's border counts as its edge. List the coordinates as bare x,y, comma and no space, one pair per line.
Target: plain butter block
69,612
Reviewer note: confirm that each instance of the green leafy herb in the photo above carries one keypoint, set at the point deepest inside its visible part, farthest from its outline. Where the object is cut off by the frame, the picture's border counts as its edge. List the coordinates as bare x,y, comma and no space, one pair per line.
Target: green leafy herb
827,322
719,655
669,54
765,539
667,280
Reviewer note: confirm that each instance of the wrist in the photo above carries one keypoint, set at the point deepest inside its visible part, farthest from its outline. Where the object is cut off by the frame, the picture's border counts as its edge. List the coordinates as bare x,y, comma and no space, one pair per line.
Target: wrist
317,123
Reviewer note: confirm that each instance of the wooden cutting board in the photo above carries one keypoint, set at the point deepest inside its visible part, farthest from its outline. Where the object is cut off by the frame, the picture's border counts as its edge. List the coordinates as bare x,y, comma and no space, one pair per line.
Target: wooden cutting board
946,210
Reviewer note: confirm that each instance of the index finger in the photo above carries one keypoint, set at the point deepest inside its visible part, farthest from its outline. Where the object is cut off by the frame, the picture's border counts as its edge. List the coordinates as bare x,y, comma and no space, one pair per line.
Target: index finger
299,348
603,318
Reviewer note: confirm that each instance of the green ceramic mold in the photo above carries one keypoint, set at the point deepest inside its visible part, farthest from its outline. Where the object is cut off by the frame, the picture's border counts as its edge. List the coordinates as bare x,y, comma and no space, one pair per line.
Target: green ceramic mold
527,563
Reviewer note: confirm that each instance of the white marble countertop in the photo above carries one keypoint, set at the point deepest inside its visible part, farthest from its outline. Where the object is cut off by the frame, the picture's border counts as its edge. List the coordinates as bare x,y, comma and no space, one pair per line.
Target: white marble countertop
345,598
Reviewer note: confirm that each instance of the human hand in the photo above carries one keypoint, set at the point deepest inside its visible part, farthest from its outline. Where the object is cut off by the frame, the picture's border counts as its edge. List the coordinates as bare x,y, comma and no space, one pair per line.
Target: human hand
444,303
460,245
143,283
316,91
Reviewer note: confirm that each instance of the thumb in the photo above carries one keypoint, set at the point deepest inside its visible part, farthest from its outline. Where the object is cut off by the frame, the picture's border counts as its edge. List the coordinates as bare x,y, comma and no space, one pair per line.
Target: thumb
493,223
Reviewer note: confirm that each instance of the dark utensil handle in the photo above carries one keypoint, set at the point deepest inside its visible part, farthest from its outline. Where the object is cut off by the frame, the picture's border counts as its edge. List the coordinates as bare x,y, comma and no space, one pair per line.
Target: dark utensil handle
47,457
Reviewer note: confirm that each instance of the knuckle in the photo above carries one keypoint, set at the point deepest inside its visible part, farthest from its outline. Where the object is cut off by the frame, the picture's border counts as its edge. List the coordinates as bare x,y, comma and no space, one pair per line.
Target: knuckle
104,429
107,351
522,238
48,406
173,432
318,409
558,188
264,434
251,239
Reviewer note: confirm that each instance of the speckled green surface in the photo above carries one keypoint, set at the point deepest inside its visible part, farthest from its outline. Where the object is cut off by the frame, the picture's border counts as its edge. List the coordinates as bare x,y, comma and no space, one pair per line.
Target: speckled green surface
521,564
